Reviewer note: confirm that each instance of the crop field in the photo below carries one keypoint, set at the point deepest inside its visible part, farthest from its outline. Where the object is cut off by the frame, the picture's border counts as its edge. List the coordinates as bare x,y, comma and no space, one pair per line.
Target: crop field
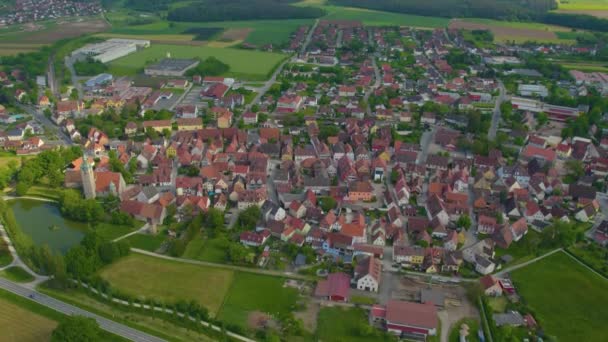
30,37
261,31
20,324
378,18
583,4
513,31
569,301
243,63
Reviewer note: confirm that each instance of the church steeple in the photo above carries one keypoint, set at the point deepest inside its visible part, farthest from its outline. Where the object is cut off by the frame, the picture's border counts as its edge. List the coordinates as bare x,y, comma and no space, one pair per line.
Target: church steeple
88,178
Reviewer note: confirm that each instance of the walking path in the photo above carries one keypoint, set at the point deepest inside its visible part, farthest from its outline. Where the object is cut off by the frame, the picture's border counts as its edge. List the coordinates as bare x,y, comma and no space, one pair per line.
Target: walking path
524,264
42,199
224,266
143,229
17,262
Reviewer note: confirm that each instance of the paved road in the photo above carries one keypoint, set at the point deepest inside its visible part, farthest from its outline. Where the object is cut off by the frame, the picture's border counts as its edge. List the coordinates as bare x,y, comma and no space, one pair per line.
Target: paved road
425,142
52,82
376,85
224,266
69,63
67,309
33,111
502,97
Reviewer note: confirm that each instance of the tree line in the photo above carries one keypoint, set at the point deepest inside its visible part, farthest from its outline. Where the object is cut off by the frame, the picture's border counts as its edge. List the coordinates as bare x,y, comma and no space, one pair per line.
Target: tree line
226,10
524,10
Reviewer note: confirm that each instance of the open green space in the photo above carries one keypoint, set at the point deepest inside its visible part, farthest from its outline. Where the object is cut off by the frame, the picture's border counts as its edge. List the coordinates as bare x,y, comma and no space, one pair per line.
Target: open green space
243,63
148,277
498,304
110,231
569,301
5,255
342,324
252,292
211,250
146,242
7,157
17,274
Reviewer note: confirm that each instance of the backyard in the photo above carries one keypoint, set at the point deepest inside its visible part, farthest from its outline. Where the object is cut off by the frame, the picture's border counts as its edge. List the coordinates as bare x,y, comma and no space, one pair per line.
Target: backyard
560,292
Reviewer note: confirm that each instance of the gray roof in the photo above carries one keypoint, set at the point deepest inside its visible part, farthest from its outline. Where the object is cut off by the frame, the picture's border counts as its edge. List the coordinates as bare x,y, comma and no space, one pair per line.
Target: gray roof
432,296
512,318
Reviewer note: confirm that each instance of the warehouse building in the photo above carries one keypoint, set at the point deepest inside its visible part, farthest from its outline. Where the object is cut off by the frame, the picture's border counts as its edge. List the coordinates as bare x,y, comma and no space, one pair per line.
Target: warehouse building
171,67
111,49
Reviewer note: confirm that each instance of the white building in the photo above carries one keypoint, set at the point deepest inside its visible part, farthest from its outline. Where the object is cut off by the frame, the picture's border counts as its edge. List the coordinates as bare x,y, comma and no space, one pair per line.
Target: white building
367,274
533,90
111,49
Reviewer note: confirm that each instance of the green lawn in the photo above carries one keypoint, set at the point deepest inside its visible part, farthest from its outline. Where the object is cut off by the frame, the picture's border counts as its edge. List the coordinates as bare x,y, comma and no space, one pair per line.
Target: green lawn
473,324
146,241
352,325
7,157
17,274
243,63
5,255
169,281
498,304
111,231
253,292
206,250
570,302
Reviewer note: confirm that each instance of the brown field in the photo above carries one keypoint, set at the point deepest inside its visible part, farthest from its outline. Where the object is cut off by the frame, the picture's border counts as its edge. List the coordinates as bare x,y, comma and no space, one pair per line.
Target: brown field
595,13
238,34
66,30
504,32
18,324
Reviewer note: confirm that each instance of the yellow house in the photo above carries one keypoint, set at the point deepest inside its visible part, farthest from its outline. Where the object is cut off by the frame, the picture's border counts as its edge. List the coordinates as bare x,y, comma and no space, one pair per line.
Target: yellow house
225,120
189,124
171,150
158,125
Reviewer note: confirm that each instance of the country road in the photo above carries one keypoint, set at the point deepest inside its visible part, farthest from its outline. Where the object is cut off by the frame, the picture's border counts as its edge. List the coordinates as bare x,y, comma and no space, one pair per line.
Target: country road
524,264
502,97
67,309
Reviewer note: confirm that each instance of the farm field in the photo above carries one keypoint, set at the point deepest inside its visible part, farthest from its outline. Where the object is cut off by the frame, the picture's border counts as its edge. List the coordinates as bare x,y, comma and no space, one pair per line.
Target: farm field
513,31
252,292
587,67
261,31
30,37
597,8
562,307
19,324
378,18
243,63
169,281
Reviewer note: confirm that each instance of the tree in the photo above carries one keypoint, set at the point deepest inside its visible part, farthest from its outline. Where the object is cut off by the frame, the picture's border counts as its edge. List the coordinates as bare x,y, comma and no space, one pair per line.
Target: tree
575,169
327,203
464,221
77,329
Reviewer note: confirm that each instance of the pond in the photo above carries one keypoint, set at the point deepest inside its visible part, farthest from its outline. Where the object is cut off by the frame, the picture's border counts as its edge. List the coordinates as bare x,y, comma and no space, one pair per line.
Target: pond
43,222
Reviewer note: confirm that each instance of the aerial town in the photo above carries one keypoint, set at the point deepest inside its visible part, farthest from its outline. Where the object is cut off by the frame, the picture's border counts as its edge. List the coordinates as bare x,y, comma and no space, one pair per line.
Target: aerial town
391,170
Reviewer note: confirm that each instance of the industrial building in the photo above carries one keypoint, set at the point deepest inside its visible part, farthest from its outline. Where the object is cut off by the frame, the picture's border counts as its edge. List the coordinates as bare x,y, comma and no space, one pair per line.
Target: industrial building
99,80
533,90
111,49
171,67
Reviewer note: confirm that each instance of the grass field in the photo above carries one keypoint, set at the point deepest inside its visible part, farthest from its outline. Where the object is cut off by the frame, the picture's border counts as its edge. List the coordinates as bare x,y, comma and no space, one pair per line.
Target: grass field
146,242
206,250
243,63
587,67
17,274
580,5
19,324
169,281
7,157
112,231
253,292
570,302
340,324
